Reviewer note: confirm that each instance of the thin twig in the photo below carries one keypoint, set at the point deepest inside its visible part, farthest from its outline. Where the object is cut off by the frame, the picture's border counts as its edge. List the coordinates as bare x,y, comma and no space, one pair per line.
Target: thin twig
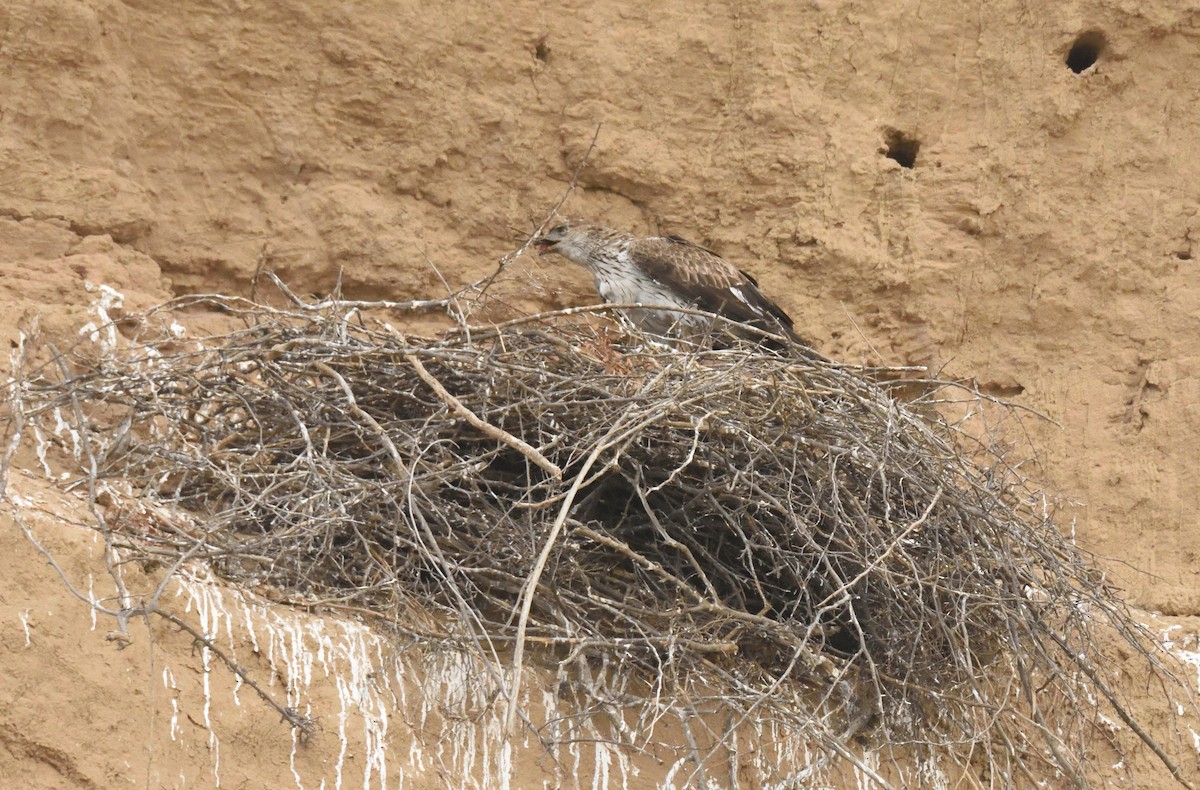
480,288
518,444
292,717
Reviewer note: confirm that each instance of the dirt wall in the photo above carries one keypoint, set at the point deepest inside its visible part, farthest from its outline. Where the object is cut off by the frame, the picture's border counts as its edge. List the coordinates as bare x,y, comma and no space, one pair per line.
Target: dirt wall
931,183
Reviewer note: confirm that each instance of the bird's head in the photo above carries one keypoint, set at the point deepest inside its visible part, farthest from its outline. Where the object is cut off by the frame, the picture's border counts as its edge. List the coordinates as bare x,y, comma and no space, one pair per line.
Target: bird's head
577,241
558,236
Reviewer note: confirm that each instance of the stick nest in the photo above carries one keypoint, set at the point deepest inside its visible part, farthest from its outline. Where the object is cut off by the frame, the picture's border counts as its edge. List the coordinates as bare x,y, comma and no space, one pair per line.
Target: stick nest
766,534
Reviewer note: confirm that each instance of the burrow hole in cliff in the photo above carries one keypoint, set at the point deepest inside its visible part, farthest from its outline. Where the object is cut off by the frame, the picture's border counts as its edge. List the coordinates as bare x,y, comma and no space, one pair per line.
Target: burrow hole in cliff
1086,51
900,147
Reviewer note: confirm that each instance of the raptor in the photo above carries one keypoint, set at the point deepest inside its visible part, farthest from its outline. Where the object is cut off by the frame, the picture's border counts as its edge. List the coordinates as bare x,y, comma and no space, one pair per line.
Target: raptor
666,271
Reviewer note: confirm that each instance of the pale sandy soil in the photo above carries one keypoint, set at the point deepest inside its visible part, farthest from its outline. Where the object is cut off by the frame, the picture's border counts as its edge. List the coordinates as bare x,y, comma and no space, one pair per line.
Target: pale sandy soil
1044,242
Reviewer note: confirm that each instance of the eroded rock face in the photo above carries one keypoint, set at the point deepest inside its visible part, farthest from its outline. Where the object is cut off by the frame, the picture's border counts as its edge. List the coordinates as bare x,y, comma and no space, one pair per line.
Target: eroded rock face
935,182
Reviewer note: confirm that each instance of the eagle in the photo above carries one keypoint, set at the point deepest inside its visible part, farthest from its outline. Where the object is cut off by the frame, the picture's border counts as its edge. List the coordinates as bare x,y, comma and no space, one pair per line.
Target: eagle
666,271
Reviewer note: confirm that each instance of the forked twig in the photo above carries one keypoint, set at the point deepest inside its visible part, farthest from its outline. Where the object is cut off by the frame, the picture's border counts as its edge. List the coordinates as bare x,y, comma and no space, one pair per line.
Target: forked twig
483,426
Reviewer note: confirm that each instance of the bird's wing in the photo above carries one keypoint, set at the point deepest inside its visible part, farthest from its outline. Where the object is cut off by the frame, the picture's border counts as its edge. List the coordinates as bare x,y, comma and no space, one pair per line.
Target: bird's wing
712,282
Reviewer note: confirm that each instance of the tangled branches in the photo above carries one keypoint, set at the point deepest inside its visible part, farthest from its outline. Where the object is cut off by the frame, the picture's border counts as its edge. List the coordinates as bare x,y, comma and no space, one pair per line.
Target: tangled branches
767,535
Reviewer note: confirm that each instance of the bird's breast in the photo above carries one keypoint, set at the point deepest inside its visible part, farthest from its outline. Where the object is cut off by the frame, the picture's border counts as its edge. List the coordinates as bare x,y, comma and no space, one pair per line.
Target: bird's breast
625,284
621,282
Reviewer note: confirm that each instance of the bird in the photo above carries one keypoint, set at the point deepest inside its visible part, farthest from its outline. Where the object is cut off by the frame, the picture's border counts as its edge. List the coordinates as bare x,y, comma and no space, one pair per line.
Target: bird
667,271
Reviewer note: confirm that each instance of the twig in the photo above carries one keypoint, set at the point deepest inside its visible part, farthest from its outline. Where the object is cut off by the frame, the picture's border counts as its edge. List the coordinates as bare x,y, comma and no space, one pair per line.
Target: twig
518,444
480,288
292,717
535,575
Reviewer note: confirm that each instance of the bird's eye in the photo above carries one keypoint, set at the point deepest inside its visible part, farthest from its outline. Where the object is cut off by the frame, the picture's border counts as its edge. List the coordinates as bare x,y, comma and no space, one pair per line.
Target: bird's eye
558,231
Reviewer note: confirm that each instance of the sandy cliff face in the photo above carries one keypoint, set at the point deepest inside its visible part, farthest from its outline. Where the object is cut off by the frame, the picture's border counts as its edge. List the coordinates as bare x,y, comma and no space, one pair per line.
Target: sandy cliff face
928,181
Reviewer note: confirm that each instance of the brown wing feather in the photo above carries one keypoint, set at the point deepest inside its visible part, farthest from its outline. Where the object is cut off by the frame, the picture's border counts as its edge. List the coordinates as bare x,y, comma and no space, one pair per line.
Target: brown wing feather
708,279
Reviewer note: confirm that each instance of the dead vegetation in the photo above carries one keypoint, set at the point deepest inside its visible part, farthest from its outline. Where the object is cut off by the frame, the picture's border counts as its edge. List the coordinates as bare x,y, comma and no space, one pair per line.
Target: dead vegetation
736,533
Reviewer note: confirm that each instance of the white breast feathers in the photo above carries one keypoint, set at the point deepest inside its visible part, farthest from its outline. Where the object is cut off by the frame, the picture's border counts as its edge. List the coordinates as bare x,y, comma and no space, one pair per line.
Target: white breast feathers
620,281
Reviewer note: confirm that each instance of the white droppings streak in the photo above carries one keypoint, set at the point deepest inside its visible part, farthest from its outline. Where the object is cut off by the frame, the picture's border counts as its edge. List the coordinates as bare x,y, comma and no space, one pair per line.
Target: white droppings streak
63,429
600,769
171,686
381,688
209,609
39,448
103,331
92,610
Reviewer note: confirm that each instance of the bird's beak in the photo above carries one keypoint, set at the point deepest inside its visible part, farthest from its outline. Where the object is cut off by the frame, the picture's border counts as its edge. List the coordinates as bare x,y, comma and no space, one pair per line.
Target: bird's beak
543,246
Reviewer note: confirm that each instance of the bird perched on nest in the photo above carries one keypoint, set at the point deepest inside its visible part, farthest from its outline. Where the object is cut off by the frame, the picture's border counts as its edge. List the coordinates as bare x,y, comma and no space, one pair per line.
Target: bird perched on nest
667,271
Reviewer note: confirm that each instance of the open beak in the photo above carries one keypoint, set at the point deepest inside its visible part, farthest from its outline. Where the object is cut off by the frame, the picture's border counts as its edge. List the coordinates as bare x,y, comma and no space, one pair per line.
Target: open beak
543,246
